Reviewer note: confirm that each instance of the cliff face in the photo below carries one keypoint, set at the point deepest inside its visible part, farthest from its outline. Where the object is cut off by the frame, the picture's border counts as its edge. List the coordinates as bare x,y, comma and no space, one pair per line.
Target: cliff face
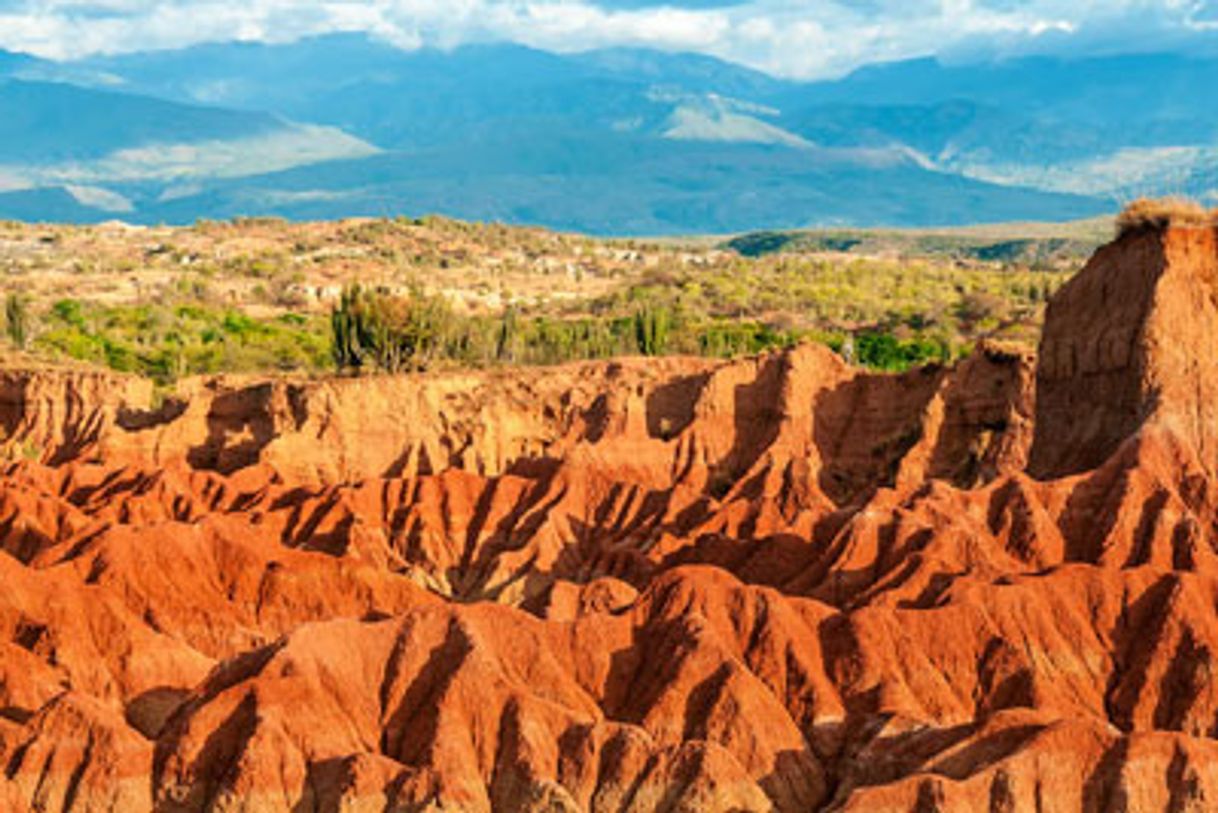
769,584
669,421
1132,341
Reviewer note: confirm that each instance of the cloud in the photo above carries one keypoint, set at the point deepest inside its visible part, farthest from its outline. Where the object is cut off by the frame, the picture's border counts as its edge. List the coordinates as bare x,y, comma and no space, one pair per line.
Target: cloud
799,38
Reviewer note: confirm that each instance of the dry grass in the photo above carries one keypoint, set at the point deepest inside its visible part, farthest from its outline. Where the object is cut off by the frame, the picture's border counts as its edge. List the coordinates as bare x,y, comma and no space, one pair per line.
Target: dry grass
1156,214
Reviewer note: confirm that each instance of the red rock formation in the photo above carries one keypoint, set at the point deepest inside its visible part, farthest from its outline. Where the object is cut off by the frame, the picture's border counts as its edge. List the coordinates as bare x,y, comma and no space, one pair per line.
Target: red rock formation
1131,341
769,584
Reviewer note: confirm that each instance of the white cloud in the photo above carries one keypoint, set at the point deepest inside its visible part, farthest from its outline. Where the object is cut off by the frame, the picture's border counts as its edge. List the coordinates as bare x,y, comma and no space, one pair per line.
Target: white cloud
573,26
805,38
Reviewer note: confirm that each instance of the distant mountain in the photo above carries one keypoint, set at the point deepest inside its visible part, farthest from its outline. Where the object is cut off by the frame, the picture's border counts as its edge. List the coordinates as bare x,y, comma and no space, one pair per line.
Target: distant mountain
1115,126
621,140
285,78
61,136
1089,88
45,123
611,184
695,73
398,99
11,63
48,205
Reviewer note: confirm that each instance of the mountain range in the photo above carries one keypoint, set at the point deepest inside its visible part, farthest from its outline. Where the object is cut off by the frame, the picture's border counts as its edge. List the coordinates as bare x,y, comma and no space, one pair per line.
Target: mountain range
610,142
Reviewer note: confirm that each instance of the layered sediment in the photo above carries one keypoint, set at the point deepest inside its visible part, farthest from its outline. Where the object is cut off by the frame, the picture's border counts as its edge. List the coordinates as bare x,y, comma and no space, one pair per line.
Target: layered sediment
776,583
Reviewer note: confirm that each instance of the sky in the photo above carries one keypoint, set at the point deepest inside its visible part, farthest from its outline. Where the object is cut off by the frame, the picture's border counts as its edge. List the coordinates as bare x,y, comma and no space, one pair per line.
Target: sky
806,39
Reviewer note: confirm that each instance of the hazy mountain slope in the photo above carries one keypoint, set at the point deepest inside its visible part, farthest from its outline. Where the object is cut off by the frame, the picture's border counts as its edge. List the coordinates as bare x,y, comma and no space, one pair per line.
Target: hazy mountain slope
694,72
11,63
1089,88
48,205
290,77
54,134
1022,109
624,140
251,75
618,185
399,99
613,141
1101,124
46,122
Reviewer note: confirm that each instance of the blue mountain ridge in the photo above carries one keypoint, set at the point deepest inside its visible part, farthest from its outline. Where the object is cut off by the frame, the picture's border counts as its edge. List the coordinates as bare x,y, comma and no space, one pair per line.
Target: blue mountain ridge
627,141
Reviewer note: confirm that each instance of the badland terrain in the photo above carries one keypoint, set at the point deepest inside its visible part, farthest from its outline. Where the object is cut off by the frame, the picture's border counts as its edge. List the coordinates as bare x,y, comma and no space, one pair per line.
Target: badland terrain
776,581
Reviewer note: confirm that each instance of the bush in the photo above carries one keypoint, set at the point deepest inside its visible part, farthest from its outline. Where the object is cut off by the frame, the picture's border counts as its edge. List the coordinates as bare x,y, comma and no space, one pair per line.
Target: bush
394,332
982,308
1158,214
884,351
69,312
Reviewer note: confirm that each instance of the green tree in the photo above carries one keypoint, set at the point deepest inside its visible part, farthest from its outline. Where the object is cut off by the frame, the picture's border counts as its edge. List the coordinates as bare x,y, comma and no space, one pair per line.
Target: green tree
397,333
17,319
348,330
508,338
651,327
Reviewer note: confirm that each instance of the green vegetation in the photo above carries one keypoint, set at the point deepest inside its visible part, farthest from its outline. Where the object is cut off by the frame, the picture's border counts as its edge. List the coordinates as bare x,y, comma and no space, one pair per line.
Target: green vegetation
165,342
395,295
1059,247
651,326
883,351
894,315
912,300
417,332
17,320
397,333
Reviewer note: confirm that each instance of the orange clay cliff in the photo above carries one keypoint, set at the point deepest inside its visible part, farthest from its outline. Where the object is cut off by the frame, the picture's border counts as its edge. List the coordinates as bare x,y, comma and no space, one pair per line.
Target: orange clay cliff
776,583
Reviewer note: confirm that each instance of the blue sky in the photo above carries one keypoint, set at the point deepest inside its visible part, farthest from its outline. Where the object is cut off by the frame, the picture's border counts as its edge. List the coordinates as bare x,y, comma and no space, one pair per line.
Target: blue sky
797,38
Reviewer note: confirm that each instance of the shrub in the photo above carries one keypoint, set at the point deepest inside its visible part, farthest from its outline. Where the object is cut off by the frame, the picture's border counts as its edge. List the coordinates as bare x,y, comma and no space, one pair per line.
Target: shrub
1156,214
69,312
397,333
165,342
981,307
729,338
884,351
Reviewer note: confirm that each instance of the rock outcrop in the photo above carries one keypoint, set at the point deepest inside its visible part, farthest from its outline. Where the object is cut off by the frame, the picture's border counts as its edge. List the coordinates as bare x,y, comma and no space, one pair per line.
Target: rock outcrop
1131,342
775,584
